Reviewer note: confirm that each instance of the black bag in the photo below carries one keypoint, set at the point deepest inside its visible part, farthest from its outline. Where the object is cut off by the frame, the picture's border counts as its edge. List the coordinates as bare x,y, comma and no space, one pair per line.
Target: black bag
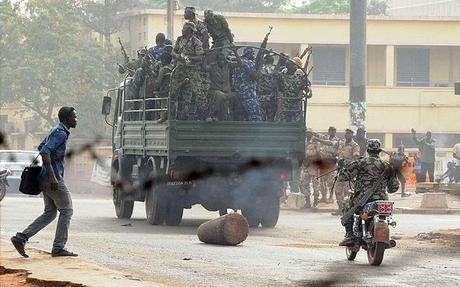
30,179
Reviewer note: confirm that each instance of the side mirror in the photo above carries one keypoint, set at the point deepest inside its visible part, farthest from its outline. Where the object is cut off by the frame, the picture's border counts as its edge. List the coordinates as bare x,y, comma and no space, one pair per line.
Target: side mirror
106,105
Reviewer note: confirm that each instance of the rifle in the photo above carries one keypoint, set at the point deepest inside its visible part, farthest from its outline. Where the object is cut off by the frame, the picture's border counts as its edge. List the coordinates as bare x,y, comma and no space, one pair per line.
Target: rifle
305,52
123,51
349,213
263,46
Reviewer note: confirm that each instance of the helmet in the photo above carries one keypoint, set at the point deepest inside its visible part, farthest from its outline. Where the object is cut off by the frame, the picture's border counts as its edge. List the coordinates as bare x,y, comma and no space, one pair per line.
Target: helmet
374,146
190,25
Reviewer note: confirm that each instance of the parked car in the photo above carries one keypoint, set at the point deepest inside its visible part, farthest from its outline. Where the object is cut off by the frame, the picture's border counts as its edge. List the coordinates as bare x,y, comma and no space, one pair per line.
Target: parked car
16,161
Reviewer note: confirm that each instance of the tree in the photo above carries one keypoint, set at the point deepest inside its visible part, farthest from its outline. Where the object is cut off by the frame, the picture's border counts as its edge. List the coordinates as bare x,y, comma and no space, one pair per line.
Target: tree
103,17
338,7
227,5
57,64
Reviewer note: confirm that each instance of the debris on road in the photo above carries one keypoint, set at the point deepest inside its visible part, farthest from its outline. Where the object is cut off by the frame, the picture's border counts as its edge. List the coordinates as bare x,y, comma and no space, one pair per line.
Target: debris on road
230,229
450,236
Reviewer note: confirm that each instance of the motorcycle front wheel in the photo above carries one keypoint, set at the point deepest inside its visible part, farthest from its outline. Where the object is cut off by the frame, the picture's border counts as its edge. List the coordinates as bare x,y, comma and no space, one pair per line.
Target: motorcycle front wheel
351,253
375,253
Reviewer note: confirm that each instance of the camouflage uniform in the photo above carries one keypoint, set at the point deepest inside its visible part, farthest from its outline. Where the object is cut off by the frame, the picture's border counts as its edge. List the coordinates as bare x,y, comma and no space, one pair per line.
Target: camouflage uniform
162,85
329,155
245,89
185,87
289,98
348,152
366,172
265,93
310,171
202,33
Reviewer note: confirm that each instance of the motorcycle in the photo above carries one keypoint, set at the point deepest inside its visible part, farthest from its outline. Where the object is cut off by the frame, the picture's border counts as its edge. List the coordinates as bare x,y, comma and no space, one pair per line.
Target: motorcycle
4,182
371,231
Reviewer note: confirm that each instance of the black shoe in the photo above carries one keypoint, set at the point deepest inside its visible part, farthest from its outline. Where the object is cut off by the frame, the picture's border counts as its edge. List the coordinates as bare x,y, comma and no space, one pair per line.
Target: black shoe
62,252
19,245
349,238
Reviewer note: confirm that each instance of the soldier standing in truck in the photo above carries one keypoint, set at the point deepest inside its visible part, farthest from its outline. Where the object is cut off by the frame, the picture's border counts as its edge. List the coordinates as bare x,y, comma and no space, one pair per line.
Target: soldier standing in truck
188,53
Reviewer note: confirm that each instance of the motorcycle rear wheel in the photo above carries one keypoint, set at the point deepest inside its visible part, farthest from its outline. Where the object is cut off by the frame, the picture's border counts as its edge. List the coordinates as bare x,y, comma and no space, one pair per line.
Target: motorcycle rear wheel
375,253
351,253
2,191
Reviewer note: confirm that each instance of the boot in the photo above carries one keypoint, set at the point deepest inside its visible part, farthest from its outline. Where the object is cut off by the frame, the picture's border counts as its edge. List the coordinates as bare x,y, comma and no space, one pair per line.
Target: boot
315,203
348,235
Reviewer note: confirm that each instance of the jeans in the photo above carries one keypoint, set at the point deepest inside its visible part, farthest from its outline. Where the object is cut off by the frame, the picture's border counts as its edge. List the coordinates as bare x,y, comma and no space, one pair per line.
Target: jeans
58,200
427,167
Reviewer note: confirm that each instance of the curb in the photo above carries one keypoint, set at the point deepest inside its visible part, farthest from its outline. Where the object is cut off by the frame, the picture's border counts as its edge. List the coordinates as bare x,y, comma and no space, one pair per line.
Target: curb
395,211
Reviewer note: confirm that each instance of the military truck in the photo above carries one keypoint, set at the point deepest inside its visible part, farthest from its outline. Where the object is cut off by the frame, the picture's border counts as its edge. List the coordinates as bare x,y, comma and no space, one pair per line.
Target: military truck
174,164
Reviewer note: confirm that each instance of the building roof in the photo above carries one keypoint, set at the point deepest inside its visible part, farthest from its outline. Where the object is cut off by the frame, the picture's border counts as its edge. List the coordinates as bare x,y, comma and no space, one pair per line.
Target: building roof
302,16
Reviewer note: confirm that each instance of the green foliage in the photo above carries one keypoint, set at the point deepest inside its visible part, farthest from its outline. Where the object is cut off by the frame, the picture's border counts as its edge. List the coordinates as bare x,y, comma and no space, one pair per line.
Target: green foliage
226,5
50,61
337,7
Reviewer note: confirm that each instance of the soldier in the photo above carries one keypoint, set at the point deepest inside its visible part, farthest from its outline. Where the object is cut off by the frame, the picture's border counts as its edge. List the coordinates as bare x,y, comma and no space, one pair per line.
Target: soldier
162,82
361,140
220,88
265,87
347,151
188,53
366,173
329,158
290,88
161,42
201,29
218,29
244,78
310,170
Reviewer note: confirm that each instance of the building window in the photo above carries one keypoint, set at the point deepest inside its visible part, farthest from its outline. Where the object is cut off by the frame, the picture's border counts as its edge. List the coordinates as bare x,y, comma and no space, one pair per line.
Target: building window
329,66
413,67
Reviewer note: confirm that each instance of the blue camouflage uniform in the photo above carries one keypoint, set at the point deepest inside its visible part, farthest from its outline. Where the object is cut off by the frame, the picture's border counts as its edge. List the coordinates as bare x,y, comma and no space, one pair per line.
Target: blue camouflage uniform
245,89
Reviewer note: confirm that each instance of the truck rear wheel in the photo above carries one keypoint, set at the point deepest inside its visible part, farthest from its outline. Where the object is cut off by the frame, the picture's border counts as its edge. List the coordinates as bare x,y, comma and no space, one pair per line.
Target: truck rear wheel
174,213
154,207
252,216
123,208
269,217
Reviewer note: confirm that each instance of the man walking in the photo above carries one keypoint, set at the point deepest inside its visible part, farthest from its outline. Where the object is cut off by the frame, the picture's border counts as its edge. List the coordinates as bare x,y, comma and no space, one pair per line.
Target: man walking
399,160
457,165
426,146
55,193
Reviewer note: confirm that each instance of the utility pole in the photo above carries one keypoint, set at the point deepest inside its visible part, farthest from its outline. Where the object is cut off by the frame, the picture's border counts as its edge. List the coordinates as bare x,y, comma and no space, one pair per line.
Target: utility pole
357,98
170,19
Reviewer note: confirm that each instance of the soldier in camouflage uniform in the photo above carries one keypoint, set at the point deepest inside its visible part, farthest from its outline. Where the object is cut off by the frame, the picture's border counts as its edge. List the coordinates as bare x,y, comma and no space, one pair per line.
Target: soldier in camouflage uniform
290,86
347,151
162,82
310,170
220,88
218,29
366,173
201,29
265,87
329,157
185,80
244,82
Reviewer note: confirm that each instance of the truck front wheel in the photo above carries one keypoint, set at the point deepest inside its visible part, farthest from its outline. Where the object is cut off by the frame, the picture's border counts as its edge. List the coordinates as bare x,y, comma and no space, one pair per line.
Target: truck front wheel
123,208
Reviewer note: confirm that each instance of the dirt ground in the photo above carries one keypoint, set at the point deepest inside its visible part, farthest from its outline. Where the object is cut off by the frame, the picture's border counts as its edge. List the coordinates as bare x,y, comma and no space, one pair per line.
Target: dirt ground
18,278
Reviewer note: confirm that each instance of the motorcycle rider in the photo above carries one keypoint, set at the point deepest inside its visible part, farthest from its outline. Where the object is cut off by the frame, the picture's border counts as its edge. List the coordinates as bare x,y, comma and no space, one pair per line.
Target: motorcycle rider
366,172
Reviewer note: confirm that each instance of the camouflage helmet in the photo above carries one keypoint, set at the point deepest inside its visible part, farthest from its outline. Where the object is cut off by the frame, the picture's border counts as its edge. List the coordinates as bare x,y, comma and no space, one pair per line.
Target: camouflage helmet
190,25
374,146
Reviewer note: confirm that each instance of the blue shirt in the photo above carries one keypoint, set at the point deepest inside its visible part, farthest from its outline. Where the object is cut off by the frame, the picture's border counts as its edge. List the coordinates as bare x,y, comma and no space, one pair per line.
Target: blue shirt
242,76
55,145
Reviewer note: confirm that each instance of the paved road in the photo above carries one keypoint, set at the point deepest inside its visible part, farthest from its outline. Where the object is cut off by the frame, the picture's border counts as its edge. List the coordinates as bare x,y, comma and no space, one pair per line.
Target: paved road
301,251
